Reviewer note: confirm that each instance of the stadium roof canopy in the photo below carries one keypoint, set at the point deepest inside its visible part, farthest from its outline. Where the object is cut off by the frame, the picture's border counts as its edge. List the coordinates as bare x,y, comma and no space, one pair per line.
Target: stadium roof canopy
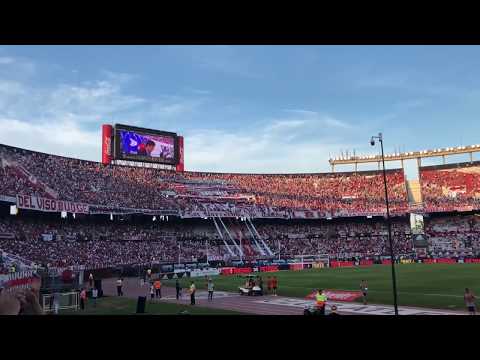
354,160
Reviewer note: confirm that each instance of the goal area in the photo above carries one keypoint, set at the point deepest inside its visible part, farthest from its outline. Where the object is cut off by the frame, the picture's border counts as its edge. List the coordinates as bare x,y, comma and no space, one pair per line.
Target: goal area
317,260
54,302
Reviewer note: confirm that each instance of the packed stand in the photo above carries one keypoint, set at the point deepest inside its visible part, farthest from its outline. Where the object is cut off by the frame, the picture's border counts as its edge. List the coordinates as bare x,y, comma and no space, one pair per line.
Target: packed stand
96,244
338,194
451,187
340,240
453,235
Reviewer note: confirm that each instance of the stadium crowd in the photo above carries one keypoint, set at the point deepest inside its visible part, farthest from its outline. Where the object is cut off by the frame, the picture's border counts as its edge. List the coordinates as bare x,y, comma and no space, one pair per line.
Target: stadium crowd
199,194
451,187
449,235
33,173
344,239
93,244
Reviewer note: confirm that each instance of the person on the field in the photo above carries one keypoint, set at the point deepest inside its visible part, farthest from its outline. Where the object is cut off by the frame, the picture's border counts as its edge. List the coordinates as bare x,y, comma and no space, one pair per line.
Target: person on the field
269,284
260,284
119,287
210,288
470,298
94,296
364,290
321,301
192,293
158,288
178,288
274,285
152,292
90,280
83,298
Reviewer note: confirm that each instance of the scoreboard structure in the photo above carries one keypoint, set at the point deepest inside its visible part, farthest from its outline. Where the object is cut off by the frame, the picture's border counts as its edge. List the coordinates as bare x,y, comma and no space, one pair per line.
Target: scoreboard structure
125,143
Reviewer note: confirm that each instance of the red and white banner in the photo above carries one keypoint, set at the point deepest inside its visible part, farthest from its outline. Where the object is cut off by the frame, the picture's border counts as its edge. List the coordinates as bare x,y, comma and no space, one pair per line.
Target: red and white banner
107,144
17,280
50,205
181,158
335,264
474,261
338,295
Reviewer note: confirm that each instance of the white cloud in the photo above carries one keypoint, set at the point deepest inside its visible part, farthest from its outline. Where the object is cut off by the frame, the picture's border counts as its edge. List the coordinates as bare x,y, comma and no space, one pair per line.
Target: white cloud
279,146
308,120
199,91
281,125
410,104
224,59
65,120
335,123
58,137
6,60
301,112
16,67
398,80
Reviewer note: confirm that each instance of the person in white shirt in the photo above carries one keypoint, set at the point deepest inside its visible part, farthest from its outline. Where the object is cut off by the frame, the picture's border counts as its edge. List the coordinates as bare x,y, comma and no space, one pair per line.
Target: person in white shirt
192,293
152,292
119,287
94,296
210,288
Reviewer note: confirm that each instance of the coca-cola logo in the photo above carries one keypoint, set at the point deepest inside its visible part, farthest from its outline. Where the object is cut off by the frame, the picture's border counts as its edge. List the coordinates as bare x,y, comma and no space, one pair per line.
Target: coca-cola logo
107,143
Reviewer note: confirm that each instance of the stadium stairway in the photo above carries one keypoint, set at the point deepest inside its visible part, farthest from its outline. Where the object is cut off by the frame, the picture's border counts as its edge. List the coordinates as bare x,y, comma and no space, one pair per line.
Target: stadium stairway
414,192
243,240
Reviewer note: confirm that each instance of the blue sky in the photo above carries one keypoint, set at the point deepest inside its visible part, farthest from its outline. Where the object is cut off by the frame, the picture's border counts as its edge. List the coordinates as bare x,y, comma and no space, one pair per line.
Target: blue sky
244,108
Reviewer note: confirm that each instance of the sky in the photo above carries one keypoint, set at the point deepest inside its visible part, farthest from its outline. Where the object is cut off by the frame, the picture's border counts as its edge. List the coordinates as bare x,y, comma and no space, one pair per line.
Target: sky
259,109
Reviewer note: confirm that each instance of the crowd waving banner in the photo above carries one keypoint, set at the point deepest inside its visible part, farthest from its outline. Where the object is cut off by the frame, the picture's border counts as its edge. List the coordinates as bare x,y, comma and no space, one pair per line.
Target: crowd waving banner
17,280
50,205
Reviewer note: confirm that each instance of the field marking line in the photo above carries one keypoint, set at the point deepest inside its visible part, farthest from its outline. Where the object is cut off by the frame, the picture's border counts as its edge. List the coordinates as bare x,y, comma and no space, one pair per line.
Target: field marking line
382,291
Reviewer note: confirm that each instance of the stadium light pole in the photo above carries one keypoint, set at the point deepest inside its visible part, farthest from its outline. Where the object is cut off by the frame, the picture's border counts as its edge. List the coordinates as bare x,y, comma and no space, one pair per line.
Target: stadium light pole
206,246
178,253
392,257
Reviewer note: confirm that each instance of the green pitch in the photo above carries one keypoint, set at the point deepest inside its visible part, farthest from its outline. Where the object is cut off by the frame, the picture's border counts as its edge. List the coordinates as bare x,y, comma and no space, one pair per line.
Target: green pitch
426,285
125,306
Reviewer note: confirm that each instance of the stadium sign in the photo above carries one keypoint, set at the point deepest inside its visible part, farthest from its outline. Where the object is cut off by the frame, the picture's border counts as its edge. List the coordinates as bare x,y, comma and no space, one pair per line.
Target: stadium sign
203,272
338,295
50,205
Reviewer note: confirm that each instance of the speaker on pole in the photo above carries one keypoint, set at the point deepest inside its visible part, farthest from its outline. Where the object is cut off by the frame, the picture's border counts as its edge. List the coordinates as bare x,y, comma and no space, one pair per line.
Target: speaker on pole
141,304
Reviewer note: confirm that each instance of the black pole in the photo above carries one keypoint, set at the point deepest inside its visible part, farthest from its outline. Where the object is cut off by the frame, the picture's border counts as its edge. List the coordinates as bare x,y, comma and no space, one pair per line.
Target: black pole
392,258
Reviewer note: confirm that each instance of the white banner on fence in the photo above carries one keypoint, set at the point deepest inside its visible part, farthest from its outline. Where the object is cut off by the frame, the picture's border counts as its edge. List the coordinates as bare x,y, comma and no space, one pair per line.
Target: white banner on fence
50,205
204,272
10,199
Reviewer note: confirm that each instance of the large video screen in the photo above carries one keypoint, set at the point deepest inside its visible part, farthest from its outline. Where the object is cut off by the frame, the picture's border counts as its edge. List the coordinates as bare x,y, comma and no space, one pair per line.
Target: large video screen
138,144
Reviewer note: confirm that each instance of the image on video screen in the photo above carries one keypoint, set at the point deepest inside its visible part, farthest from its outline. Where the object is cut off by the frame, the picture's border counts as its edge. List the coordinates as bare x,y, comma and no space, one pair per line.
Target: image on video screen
157,147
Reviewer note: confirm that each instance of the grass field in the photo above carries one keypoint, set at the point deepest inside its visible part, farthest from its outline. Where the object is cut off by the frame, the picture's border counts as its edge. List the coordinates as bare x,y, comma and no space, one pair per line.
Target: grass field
425,285
125,306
